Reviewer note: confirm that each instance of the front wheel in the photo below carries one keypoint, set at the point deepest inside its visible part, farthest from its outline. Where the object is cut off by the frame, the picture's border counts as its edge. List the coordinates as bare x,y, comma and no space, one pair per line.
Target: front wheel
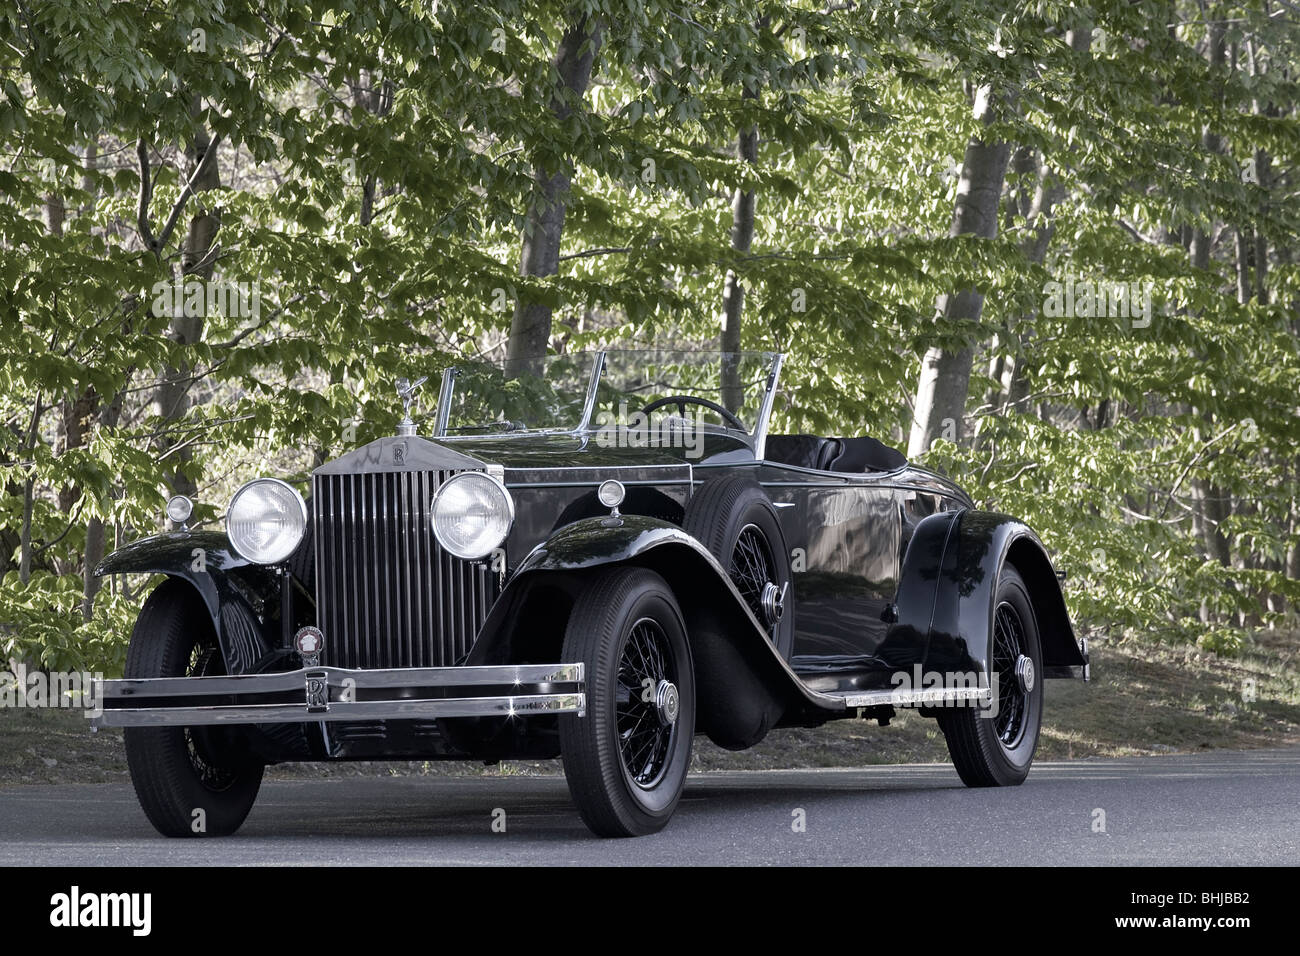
626,760
995,747
191,781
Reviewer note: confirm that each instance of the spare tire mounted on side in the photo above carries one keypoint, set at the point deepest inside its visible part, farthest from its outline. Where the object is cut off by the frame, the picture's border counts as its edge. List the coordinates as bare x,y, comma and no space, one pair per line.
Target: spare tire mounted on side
735,519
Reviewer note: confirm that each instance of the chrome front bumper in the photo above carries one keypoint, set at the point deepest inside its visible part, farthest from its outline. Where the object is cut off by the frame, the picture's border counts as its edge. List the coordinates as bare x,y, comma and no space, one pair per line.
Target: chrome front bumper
335,693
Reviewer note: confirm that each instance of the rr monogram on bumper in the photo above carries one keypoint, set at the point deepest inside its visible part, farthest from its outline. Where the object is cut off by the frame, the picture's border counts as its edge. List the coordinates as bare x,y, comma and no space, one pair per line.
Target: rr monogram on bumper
336,693
318,693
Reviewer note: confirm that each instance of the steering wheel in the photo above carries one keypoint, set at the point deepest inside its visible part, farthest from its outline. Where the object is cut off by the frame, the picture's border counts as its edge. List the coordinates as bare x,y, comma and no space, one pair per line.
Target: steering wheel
681,401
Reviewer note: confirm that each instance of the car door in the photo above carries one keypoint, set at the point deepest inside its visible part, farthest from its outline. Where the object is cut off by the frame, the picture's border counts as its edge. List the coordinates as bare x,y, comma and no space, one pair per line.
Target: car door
844,534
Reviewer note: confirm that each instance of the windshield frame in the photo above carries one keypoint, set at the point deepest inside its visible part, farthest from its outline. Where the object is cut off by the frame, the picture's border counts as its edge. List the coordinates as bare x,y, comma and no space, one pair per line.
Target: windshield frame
757,439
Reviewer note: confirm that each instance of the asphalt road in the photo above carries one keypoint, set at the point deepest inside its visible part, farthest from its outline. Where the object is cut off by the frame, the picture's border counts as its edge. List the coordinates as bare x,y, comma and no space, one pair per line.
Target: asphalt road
1219,809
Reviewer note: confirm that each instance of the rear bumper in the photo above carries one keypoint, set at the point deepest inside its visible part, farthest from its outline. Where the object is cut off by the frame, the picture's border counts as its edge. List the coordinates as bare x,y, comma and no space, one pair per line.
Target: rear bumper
334,693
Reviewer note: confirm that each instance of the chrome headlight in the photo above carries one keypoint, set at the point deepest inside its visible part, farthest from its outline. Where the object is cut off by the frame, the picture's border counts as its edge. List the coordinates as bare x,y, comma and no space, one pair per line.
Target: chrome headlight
472,514
266,520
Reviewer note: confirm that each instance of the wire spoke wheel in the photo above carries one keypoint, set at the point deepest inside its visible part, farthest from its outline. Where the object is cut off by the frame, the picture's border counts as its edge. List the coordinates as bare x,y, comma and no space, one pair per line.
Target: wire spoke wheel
1008,644
191,781
645,672
994,745
626,760
752,570
208,747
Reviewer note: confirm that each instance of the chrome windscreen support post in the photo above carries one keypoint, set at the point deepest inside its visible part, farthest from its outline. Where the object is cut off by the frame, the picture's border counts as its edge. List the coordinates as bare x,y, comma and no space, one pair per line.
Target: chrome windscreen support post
593,385
765,408
449,376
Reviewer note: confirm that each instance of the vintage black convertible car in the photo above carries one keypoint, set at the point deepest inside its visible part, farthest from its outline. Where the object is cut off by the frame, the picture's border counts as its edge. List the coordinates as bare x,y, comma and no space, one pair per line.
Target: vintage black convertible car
594,557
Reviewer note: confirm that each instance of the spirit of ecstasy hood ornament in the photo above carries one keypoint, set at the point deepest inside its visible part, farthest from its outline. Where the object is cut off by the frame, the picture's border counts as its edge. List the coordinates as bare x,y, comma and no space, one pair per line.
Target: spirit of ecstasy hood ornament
406,390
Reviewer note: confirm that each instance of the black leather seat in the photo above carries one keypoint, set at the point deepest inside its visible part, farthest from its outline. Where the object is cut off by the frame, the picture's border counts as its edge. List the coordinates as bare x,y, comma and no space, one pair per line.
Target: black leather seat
805,451
847,455
867,454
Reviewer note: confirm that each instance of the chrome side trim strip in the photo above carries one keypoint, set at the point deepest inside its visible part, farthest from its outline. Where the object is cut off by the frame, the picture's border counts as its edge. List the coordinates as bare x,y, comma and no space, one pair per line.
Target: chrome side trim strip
591,484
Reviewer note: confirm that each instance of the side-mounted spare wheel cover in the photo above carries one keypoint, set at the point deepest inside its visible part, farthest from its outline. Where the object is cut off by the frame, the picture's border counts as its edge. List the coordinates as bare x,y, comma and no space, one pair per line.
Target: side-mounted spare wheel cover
733,517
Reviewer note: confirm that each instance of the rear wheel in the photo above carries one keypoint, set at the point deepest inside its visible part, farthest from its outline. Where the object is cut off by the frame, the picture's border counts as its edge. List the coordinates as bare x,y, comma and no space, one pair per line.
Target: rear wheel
626,760
734,518
995,747
191,781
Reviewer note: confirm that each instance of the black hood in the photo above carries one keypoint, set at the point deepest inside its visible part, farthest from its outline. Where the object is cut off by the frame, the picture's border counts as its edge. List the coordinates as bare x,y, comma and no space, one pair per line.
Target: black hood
532,457
529,451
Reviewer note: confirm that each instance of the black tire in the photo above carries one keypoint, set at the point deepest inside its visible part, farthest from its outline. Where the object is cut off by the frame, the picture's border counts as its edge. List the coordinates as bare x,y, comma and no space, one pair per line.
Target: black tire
995,748
624,764
177,771
735,519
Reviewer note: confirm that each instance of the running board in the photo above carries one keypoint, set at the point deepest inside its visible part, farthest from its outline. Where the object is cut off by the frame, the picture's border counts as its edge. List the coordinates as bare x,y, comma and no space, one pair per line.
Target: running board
900,697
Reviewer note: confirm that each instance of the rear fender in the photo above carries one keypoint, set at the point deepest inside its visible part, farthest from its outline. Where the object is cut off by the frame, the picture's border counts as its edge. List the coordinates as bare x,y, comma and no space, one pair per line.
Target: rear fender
947,588
241,598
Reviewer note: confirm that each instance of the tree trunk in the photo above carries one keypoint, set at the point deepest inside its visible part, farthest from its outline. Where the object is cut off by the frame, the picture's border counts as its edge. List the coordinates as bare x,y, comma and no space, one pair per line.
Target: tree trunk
25,534
1210,142
109,415
530,329
1242,248
74,425
1042,226
945,373
1293,552
29,498
54,213
197,260
1263,177
1020,194
373,94
1207,499
733,293
10,539
88,172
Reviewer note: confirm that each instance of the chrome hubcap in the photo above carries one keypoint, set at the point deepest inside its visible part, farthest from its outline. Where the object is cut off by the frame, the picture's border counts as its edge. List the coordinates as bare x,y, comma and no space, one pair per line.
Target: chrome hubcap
667,703
773,602
1025,673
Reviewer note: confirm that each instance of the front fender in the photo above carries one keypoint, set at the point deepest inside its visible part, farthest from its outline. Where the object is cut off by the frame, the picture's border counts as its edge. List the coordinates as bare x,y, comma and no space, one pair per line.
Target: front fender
240,596
947,588
594,542
743,686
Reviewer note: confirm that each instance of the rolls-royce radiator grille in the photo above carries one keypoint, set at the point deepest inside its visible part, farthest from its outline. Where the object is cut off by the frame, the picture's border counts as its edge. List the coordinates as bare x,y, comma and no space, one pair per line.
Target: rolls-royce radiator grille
387,595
